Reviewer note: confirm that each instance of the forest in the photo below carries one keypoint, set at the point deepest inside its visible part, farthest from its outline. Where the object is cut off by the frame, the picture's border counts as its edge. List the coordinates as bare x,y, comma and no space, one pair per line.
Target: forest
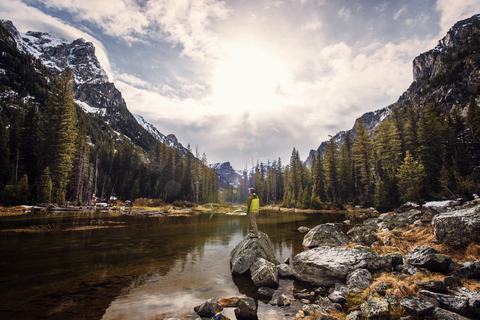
63,154
411,157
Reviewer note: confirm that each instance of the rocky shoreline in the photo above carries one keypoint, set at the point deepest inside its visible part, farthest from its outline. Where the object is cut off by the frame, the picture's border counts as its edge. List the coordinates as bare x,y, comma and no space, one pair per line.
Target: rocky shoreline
414,263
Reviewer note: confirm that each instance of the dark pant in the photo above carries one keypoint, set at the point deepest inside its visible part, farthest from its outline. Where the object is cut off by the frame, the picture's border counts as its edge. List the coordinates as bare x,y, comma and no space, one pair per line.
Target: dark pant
253,221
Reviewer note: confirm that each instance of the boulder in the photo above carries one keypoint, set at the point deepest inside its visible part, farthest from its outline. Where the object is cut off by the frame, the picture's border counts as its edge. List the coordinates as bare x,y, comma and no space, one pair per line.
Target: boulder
458,227
326,234
303,229
246,309
354,315
400,220
208,308
338,296
324,266
471,271
416,306
452,282
376,308
285,270
433,285
264,273
363,235
407,269
327,304
450,302
359,278
229,302
442,314
249,250
428,258
395,257
266,291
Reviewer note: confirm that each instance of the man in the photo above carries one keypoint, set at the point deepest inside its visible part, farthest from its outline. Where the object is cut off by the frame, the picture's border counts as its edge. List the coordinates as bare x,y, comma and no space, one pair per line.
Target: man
253,205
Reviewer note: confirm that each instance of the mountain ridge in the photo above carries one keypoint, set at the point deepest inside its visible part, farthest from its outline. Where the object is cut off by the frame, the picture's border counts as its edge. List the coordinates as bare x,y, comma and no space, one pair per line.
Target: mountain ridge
440,77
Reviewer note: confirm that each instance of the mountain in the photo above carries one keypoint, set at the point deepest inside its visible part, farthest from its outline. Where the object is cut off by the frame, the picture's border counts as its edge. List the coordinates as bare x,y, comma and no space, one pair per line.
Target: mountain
92,90
226,174
448,75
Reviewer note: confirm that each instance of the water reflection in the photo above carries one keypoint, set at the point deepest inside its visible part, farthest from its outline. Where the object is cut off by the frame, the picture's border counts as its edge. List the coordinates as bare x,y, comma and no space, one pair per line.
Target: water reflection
150,269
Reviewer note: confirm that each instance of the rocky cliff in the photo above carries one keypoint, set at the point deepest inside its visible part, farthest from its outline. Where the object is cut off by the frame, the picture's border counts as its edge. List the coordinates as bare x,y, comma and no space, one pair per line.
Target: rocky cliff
447,76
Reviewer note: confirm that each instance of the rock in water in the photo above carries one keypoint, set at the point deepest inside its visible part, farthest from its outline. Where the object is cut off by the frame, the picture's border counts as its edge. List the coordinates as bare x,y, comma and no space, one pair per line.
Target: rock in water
208,308
264,273
326,234
325,266
246,309
249,250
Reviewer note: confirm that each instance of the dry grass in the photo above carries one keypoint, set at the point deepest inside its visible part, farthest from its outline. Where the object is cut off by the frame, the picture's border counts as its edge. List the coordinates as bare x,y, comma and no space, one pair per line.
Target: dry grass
404,241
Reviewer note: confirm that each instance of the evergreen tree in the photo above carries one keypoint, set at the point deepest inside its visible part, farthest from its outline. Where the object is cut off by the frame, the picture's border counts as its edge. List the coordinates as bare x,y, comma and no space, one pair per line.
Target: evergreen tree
331,172
4,152
346,169
30,146
318,177
363,157
60,133
411,176
45,187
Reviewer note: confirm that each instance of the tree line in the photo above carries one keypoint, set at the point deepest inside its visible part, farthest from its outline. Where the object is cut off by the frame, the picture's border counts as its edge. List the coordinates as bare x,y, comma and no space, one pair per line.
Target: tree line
61,154
411,157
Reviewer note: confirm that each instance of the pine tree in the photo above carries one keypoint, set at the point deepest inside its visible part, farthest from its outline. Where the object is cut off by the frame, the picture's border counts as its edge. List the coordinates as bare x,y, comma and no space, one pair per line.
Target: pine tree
363,157
60,133
330,165
411,176
346,169
30,145
4,152
318,177
45,187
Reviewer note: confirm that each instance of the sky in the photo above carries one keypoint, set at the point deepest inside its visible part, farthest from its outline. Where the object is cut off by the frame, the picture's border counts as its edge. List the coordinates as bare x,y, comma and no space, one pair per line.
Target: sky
246,81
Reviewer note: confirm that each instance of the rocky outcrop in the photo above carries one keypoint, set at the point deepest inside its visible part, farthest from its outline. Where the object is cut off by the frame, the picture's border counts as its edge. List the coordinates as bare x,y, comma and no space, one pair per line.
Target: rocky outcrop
376,308
326,234
458,227
428,258
247,251
324,266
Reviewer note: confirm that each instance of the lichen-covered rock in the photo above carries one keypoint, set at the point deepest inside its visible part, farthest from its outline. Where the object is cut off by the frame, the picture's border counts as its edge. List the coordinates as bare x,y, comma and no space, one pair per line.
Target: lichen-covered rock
359,278
325,266
264,273
416,306
249,250
395,257
246,309
363,235
327,304
338,296
458,227
376,308
382,287
326,234
266,291
428,258
208,309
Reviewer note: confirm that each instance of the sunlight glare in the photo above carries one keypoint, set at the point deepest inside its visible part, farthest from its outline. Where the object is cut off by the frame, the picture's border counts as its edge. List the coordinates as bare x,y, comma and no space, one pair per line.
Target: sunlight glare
249,79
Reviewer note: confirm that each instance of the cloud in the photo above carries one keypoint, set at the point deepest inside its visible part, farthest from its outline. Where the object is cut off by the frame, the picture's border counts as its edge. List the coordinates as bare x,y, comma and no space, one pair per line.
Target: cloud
344,13
185,22
400,12
453,11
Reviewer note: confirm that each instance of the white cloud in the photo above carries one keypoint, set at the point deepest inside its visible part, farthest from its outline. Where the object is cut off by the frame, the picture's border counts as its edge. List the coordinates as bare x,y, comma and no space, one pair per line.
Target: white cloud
453,11
344,13
400,12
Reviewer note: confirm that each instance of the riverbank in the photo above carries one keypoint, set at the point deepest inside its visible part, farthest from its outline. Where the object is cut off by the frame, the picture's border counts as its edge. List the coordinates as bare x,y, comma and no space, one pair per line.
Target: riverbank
414,262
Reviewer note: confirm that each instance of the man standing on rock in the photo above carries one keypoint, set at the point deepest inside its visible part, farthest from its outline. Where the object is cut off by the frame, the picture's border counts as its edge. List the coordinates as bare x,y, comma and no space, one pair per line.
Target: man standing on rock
253,205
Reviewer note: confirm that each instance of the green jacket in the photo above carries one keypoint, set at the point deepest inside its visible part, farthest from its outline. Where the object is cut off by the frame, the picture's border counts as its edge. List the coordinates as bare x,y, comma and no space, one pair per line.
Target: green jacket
253,203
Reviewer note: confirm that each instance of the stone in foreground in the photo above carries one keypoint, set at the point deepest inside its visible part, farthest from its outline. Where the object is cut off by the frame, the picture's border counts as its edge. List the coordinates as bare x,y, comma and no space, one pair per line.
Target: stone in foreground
376,308
246,309
264,273
208,308
326,234
249,250
416,306
428,258
325,266
458,227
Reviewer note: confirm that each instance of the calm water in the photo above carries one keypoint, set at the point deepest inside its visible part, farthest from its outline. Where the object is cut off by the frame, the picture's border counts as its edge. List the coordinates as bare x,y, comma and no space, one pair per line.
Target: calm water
138,268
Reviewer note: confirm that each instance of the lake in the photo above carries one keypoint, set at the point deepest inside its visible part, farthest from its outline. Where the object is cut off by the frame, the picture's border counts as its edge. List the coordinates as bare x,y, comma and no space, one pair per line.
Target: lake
105,265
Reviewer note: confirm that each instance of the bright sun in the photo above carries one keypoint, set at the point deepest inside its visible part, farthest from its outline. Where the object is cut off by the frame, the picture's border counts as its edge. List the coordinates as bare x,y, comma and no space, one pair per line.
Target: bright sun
250,79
